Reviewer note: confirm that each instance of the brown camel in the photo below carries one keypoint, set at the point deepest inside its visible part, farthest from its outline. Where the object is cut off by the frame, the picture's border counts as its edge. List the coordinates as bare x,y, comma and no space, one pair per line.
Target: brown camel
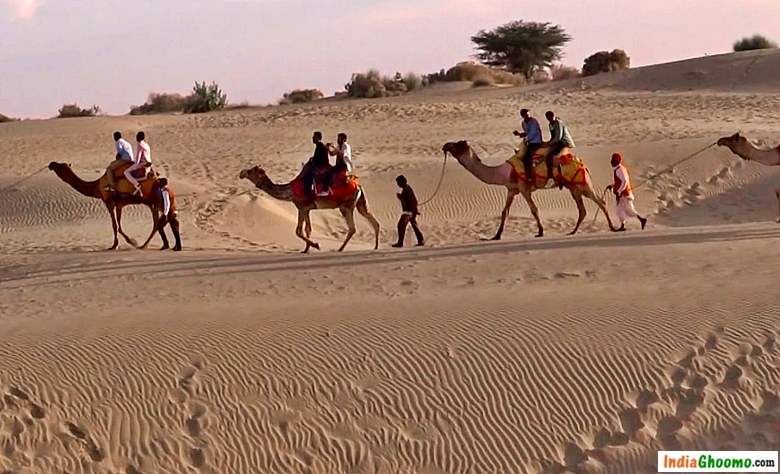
116,201
745,149
502,175
347,206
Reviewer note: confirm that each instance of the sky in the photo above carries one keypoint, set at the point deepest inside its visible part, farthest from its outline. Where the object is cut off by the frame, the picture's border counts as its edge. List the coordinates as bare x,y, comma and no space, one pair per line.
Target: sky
113,53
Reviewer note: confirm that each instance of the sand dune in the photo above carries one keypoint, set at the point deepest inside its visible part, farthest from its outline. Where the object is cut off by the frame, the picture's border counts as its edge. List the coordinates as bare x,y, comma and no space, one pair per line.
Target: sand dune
562,354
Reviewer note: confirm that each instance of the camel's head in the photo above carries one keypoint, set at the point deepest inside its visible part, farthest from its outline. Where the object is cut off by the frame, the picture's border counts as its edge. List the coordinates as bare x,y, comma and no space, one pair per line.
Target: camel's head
59,168
255,174
732,141
456,149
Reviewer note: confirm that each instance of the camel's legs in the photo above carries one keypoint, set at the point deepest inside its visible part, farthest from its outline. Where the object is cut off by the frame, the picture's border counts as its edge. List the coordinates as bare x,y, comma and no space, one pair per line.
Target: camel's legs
129,240
778,202
590,194
302,217
577,195
510,198
534,210
110,208
362,208
155,219
349,216
308,225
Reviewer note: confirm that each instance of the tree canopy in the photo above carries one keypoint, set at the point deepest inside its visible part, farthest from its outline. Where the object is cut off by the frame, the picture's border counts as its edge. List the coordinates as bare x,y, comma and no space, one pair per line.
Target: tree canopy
520,46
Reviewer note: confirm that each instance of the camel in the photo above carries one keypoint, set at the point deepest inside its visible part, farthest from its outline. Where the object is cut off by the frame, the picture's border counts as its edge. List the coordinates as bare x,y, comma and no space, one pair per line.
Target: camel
347,206
745,149
503,175
116,201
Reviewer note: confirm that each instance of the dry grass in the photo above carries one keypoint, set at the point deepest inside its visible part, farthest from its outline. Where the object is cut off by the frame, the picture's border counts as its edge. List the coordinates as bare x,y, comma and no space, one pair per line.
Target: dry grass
300,96
559,72
73,110
161,103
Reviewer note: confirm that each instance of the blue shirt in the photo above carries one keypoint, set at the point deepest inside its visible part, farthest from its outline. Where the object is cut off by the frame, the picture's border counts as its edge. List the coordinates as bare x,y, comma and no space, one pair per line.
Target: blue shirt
533,132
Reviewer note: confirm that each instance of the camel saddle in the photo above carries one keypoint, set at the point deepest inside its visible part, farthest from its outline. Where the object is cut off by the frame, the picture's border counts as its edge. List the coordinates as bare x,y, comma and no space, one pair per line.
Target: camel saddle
567,168
342,185
146,179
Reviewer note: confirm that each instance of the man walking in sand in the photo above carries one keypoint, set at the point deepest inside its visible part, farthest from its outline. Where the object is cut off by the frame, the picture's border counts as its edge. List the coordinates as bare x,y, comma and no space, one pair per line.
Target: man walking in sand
124,155
409,214
623,193
532,133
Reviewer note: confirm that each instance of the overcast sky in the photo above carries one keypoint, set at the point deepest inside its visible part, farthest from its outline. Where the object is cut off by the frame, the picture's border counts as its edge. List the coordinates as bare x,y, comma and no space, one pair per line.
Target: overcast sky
114,52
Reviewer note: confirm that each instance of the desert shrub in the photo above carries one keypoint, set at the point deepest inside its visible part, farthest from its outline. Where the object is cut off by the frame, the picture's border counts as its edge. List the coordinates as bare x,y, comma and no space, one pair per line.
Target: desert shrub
605,61
158,103
483,80
413,81
559,72
540,76
73,110
754,42
299,96
5,118
372,84
205,98
469,71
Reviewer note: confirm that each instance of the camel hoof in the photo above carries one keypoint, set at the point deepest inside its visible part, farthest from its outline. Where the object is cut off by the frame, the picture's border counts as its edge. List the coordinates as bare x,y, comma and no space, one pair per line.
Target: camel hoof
540,234
177,248
572,232
164,247
316,245
113,247
498,237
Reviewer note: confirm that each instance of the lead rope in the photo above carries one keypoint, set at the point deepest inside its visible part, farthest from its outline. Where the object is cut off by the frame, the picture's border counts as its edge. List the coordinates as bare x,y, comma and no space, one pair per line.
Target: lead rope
656,175
23,179
438,186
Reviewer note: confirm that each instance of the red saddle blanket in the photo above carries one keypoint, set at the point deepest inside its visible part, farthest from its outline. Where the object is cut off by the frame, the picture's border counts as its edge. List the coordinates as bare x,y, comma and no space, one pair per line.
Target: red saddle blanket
342,187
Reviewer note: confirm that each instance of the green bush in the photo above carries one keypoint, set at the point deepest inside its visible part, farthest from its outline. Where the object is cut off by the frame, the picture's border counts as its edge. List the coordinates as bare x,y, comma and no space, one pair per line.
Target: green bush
205,98
73,110
161,103
605,61
754,42
299,96
559,72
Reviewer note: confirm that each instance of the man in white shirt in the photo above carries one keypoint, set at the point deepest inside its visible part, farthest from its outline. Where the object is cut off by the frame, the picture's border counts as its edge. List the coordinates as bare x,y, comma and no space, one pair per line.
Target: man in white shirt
143,159
344,153
124,155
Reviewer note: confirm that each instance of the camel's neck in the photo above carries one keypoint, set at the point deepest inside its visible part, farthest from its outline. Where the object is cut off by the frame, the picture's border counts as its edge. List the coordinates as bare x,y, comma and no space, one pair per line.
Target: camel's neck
282,192
486,174
87,188
751,153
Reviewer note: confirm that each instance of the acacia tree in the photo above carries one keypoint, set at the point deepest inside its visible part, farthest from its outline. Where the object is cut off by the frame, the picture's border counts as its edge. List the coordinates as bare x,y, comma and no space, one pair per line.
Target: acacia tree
521,47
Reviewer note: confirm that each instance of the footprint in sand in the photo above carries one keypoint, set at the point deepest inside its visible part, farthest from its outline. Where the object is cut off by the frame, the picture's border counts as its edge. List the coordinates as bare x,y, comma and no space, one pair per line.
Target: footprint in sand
92,449
193,424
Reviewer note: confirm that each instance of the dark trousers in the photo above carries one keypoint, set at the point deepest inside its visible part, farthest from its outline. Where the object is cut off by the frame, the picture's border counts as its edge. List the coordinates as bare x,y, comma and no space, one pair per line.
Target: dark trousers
528,160
403,222
556,148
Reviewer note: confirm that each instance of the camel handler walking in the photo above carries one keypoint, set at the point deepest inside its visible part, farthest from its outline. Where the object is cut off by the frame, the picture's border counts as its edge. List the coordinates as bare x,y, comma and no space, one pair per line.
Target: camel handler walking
124,155
410,212
623,193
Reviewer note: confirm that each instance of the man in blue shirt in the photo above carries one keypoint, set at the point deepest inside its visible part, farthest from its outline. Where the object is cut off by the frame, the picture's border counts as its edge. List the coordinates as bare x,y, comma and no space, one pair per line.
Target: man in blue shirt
124,155
532,133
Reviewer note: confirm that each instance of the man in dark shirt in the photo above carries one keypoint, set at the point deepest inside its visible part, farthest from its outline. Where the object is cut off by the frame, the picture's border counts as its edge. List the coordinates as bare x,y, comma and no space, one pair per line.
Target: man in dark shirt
409,214
316,162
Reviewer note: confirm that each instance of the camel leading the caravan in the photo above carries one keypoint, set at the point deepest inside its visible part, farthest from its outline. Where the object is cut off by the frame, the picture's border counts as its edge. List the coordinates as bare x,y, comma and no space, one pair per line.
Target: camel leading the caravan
578,182
114,202
745,149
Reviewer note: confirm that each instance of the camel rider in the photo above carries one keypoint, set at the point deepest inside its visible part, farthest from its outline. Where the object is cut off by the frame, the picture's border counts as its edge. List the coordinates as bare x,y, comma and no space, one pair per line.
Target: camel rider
124,155
343,153
143,159
623,193
318,161
560,138
532,133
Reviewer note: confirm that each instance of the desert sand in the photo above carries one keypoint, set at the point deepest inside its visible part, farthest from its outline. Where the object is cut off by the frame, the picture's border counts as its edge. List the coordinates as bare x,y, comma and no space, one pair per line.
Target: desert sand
561,354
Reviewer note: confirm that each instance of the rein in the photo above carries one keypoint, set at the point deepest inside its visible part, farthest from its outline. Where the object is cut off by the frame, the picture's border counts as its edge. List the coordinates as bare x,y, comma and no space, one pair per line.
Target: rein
24,179
438,186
